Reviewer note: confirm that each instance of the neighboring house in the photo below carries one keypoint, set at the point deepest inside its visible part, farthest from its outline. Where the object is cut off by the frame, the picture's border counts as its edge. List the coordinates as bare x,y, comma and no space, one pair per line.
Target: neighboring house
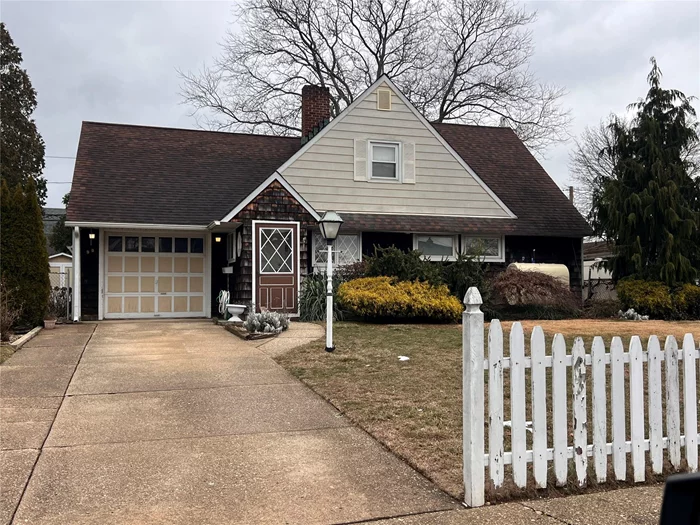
60,264
597,281
169,208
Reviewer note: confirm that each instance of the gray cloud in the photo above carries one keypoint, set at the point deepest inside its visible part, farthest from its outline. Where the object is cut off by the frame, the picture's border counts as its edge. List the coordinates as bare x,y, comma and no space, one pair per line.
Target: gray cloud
116,61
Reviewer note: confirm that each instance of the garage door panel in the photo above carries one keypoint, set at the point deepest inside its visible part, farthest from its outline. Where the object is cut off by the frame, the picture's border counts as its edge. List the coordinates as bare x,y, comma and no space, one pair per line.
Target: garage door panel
148,284
131,284
180,285
144,278
148,264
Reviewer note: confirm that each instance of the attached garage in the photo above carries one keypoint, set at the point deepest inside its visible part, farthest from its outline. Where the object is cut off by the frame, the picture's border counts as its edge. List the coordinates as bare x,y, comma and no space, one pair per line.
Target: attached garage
150,275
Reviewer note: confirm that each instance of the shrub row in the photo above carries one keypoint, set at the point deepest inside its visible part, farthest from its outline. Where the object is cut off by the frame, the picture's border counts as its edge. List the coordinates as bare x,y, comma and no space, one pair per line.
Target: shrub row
658,301
389,299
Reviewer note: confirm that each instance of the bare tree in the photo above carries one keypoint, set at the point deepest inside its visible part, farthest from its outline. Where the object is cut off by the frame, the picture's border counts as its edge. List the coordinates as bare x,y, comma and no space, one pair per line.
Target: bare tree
592,160
456,60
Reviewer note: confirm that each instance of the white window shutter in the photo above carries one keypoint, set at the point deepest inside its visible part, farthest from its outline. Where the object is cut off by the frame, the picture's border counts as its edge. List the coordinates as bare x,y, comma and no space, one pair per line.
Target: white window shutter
409,163
360,160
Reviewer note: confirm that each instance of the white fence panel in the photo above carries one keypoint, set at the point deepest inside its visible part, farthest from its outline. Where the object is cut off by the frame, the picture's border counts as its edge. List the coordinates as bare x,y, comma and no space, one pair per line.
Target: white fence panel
690,403
517,404
559,424
608,403
619,446
496,466
673,403
539,407
578,381
599,412
637,408
656,431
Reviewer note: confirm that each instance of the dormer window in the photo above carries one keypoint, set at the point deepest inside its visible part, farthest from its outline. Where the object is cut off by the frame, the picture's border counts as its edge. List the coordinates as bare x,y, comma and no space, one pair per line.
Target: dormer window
384,162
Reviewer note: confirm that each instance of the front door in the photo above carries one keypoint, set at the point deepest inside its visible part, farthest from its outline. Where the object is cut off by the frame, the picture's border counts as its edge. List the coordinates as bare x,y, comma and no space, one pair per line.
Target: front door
276,266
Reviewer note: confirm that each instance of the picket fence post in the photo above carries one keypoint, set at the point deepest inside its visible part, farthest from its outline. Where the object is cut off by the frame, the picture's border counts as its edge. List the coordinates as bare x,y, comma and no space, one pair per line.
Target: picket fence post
473,398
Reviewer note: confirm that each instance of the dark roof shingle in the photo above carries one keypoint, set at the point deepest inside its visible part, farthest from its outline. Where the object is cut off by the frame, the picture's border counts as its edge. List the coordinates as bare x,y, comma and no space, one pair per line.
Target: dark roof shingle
140,174
506,166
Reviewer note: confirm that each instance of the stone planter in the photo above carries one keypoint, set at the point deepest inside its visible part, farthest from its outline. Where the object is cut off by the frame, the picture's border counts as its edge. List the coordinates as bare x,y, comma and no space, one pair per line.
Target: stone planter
49,324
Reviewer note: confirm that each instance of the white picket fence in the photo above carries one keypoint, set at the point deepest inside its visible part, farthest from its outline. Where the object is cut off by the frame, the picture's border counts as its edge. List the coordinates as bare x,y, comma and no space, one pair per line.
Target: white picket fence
575,367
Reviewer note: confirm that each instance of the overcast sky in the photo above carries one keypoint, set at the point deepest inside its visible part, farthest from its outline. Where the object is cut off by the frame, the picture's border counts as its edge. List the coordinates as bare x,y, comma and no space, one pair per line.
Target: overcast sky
116,61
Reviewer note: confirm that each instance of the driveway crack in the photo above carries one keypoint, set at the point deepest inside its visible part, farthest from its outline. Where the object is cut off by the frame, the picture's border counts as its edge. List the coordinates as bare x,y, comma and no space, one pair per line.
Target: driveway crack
41,448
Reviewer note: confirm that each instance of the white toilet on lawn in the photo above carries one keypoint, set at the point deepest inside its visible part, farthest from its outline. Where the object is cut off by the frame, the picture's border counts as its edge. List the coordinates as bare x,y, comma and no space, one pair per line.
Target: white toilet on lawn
235,311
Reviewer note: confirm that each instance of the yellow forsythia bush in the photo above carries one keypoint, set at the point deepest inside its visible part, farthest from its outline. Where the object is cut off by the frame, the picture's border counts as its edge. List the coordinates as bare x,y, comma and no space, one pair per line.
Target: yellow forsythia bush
386,298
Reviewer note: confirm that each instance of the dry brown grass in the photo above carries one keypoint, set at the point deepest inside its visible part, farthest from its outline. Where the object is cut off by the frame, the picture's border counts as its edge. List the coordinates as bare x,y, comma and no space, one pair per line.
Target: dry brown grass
414,407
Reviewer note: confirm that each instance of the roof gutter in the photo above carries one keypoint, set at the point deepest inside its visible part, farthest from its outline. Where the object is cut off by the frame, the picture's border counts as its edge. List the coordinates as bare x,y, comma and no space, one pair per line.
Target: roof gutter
136,226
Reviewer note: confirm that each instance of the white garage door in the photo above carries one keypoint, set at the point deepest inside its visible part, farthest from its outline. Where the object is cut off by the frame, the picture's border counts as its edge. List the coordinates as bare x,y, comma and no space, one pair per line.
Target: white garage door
153,276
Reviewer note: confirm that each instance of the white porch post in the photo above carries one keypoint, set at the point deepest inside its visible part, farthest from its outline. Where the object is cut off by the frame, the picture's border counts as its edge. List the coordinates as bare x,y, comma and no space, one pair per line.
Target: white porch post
473,398
77,307
329,299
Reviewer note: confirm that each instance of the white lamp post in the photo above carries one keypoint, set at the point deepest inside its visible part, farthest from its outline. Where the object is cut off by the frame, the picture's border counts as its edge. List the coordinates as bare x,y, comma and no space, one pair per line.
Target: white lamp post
330,225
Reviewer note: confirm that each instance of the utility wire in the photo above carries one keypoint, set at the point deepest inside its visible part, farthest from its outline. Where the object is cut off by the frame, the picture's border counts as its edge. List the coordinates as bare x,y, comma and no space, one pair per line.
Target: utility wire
58,157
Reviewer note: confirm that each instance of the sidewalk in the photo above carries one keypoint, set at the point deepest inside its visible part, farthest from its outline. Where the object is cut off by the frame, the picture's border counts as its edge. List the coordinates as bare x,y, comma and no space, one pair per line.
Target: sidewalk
637,505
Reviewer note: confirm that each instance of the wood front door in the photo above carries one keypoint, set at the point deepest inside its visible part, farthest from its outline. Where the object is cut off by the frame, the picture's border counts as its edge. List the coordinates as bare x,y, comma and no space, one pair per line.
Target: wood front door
276,266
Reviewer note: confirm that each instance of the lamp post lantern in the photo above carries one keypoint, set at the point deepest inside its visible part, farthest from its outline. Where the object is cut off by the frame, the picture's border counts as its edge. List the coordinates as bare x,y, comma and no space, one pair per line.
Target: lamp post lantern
330,226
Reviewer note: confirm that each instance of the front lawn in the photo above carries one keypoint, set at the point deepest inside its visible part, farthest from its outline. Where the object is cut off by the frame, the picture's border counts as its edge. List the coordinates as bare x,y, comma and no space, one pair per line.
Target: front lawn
414,407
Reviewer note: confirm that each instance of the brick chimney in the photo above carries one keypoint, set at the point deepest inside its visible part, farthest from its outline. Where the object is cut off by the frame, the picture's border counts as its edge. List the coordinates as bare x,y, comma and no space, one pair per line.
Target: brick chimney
315,108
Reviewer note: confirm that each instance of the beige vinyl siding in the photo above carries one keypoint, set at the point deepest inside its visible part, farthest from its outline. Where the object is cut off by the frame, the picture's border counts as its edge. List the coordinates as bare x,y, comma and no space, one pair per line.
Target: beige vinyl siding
324,173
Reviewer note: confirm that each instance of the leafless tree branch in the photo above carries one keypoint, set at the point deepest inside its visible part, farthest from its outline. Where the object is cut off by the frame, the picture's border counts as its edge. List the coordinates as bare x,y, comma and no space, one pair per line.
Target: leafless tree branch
456,60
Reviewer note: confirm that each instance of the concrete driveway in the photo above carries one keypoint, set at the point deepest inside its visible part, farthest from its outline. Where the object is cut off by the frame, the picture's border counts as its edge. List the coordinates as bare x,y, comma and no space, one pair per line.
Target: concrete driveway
182,422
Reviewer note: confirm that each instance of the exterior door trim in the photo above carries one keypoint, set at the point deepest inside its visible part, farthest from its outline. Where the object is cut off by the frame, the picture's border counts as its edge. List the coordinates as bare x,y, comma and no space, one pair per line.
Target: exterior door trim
255,257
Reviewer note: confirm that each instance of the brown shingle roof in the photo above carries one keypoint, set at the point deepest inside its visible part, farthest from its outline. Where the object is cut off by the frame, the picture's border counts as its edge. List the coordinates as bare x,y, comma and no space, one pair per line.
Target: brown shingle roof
140,174
503,162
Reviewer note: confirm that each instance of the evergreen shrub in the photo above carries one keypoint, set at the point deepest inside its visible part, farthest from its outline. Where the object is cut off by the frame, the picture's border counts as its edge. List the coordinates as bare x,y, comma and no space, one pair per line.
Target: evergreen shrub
389,299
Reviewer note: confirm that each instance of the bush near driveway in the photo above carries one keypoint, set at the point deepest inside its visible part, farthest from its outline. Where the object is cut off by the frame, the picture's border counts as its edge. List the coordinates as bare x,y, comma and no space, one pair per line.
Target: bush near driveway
25,261
386,298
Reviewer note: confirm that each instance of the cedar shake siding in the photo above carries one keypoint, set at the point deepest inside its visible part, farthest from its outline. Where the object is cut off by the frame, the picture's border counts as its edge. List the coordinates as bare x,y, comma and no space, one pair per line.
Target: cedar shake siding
274,203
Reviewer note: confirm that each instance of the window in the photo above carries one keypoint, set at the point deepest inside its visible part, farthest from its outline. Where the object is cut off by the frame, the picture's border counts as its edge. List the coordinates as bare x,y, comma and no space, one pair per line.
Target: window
165,244
384,161
346,250
131,244
115,244
435,247
486,248
181,244
148,244
196,245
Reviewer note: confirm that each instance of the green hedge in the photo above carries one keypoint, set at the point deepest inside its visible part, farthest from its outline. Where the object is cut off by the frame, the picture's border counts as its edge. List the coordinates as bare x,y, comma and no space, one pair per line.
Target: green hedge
25,262
658,301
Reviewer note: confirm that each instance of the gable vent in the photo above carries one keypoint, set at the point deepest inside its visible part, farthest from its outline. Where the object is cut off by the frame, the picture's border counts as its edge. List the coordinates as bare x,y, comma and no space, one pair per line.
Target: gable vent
384,99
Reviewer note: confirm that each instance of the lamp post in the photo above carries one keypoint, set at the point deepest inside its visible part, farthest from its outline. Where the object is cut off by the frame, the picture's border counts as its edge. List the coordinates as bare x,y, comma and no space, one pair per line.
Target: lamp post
330,226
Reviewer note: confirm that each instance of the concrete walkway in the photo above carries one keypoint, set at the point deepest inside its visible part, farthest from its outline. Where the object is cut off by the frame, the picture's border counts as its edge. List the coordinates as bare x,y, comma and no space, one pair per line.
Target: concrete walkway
181,422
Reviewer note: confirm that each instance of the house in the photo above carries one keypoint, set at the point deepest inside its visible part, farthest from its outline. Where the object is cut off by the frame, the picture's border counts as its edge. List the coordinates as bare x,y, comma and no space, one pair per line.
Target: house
159,213
60,264
597,280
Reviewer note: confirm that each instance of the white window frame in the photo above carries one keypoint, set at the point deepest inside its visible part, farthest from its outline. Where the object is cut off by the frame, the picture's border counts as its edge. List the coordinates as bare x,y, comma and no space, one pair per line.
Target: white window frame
501,257
437,257
399,157
322,264
231,247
